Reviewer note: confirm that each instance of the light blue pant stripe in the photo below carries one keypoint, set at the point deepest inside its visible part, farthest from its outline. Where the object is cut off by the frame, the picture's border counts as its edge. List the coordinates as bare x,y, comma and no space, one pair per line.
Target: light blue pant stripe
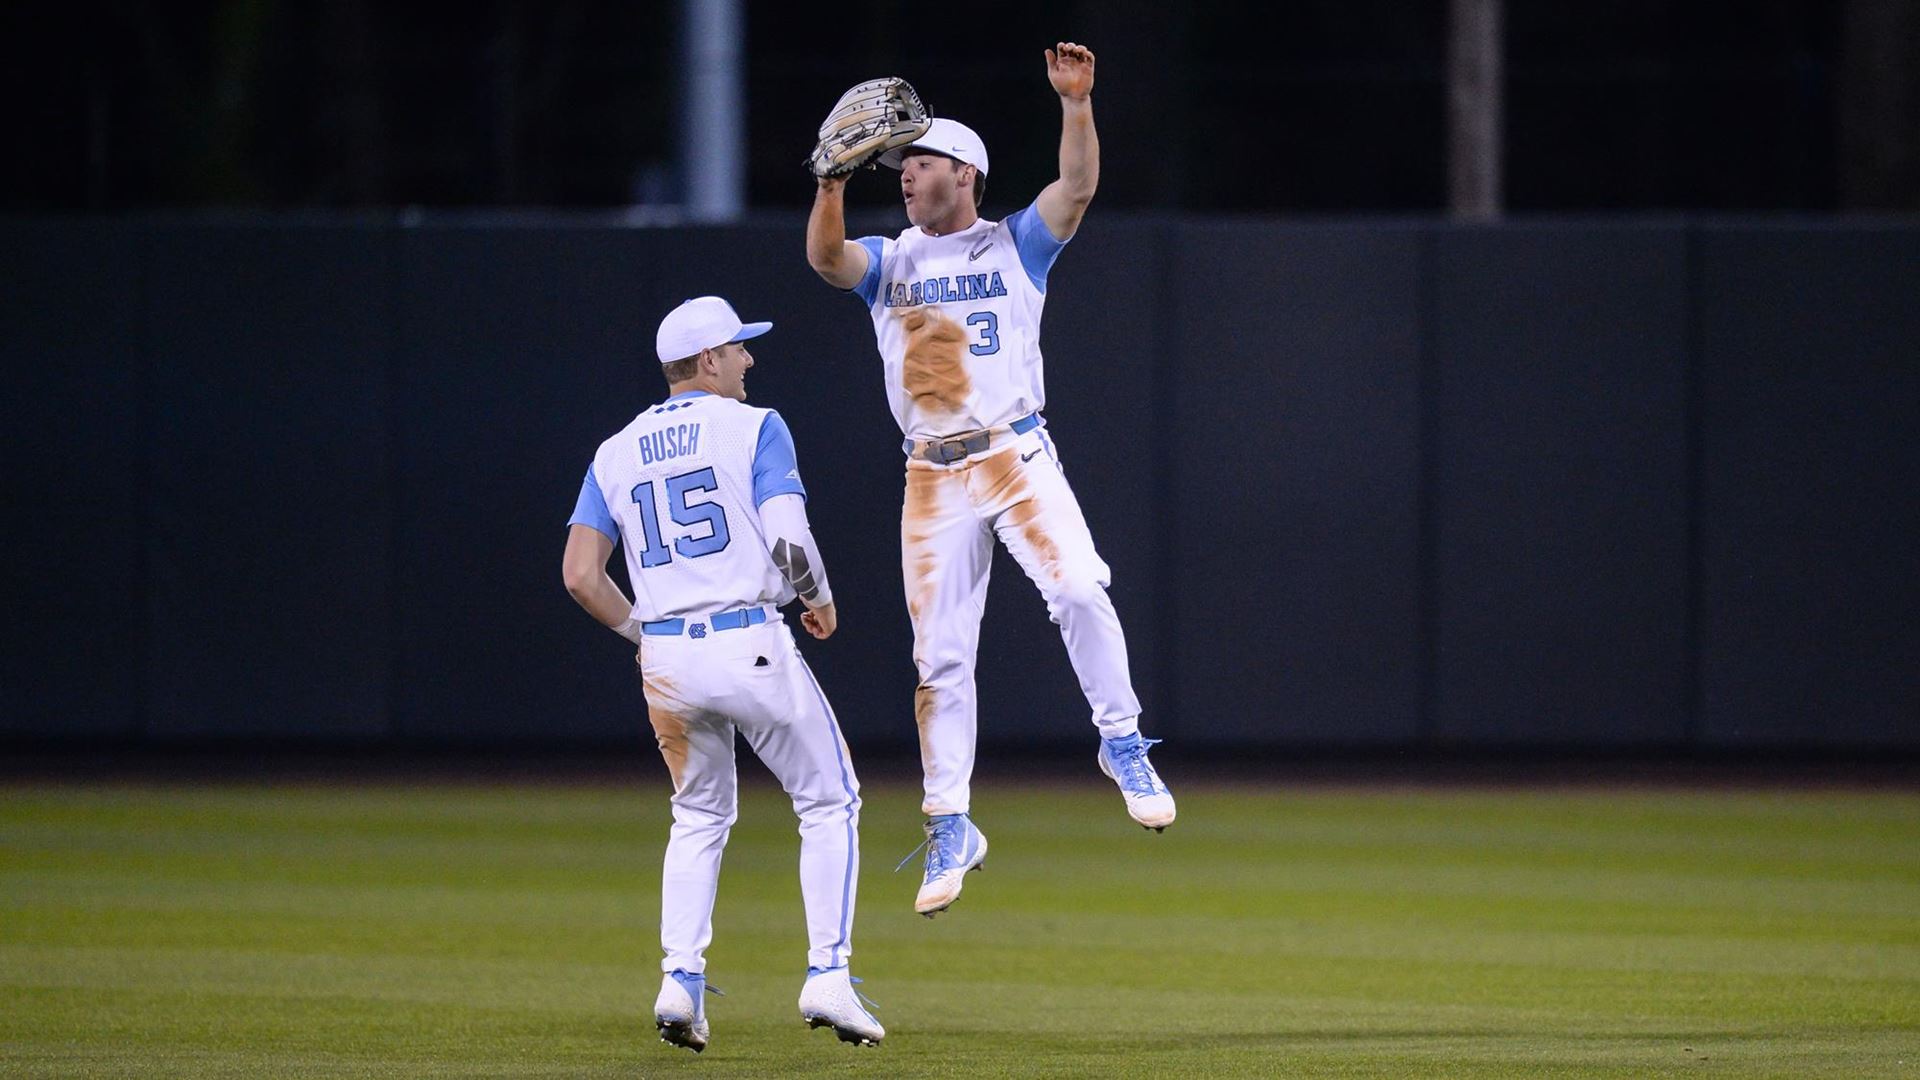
853,807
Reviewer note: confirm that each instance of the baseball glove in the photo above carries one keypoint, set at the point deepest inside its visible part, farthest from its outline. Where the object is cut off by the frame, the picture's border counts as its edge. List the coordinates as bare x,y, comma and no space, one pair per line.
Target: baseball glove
867,121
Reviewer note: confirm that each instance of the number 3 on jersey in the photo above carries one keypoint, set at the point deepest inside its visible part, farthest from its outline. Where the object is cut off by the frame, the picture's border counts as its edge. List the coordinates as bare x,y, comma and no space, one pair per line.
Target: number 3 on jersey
712,515
989,326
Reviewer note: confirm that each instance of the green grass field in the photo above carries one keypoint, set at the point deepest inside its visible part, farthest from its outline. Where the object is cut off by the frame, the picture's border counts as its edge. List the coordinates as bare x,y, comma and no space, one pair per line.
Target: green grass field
450,930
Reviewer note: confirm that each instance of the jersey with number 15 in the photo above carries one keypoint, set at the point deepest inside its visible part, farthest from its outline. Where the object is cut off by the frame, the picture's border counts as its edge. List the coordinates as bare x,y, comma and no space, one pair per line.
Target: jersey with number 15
680,488
957,320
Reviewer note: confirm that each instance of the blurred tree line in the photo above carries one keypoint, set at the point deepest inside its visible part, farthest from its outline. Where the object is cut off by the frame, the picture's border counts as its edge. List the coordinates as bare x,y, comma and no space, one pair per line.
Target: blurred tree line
1332,106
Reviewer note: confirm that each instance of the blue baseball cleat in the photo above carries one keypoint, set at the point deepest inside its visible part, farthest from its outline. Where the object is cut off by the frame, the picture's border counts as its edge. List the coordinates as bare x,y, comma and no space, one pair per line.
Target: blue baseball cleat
829,1000
1124,760
680,1011
954,847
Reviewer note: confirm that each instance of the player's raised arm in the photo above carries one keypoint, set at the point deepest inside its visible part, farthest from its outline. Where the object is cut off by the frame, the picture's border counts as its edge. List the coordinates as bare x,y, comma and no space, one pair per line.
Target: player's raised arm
1064,202
871,118
841,262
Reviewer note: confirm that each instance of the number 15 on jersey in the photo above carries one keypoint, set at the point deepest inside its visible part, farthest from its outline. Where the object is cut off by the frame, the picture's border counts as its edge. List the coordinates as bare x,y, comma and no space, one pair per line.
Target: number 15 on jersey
687,515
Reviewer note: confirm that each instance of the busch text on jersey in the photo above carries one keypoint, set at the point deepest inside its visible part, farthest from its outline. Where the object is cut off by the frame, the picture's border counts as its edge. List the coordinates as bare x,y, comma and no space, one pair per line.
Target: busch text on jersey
678,441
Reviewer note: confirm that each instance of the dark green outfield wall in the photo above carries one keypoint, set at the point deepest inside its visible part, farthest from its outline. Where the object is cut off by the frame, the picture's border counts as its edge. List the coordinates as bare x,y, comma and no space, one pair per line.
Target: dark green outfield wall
1400,483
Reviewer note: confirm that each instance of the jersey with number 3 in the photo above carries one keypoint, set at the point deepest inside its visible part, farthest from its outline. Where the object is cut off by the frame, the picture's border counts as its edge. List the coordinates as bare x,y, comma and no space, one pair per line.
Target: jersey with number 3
681,486
957,320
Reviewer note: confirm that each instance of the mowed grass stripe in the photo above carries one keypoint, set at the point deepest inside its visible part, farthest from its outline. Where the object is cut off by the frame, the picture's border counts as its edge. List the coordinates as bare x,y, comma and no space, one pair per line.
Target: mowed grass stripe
467,930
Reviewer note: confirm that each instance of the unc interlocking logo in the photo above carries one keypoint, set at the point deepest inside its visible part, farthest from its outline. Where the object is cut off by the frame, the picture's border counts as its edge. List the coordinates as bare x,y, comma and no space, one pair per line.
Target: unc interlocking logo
698,629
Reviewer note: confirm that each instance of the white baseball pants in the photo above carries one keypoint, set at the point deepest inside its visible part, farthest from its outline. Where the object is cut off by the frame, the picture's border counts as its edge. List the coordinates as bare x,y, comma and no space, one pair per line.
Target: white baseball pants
947,528
699,691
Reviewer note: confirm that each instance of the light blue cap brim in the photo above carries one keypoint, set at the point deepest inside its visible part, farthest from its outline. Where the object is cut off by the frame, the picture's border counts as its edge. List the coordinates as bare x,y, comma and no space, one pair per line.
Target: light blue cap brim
750,330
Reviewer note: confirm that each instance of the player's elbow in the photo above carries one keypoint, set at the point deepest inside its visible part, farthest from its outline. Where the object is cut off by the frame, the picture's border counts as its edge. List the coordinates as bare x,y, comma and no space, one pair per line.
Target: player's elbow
830,265
578,577
1079,180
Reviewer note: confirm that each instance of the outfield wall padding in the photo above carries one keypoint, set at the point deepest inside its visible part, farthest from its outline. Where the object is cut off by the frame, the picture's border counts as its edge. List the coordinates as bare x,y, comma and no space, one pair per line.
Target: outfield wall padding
1361,483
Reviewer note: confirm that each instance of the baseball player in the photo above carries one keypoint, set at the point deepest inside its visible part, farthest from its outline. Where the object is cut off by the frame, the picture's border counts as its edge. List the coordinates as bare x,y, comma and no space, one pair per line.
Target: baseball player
956,302
704,493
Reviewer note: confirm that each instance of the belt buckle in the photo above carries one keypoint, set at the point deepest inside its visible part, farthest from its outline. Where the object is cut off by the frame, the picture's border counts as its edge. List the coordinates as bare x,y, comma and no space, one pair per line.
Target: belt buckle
952,450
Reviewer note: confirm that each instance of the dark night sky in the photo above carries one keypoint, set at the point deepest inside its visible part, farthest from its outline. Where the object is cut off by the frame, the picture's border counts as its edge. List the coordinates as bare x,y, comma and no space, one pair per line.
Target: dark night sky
1323,106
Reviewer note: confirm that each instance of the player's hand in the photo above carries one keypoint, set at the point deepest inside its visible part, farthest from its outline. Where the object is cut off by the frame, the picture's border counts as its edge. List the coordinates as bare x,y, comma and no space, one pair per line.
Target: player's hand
821,621
832,183
1070,70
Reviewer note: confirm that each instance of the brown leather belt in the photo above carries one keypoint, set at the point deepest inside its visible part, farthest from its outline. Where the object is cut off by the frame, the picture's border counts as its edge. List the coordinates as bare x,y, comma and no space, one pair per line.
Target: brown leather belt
960,447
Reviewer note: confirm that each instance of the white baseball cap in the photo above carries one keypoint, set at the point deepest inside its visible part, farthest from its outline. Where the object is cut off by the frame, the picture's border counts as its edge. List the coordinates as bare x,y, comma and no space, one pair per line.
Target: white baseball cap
950,138
704,322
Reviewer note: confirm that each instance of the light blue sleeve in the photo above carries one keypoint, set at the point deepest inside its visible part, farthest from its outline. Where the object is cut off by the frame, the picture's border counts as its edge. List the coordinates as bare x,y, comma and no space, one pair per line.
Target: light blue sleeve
775,472
1036,244
868,287
591,509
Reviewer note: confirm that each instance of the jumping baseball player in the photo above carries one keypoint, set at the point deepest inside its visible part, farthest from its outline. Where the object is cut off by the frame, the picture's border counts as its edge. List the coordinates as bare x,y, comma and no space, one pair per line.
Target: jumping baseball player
704,494
956,303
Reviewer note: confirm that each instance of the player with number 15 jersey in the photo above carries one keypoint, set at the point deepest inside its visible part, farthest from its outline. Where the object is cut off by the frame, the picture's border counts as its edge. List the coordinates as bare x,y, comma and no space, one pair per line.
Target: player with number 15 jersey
703,491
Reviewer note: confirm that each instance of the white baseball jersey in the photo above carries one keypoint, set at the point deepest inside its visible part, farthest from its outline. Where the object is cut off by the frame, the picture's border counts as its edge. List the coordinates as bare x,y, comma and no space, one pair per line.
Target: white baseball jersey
680,486
957,319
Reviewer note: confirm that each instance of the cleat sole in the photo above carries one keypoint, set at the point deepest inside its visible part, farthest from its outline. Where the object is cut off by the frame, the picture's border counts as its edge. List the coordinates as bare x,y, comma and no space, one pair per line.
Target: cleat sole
930,914
680,1035
846,1035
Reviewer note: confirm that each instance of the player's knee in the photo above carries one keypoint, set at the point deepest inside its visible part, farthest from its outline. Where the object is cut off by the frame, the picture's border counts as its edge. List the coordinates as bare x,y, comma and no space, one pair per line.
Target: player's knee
946,668
703,819
828,806
1076,593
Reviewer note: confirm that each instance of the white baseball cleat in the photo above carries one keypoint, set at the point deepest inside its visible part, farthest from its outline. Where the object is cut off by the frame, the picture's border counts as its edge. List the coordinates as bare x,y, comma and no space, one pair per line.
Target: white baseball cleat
1124,760
829,1000
680,1011
954,848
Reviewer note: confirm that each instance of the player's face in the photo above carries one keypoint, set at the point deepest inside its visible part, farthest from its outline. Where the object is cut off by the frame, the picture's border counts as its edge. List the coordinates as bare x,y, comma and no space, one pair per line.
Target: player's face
930,186
734,360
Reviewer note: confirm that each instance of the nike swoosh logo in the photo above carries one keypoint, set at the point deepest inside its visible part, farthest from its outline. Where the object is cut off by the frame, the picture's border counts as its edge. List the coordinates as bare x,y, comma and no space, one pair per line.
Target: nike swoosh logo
1028,457
979,251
